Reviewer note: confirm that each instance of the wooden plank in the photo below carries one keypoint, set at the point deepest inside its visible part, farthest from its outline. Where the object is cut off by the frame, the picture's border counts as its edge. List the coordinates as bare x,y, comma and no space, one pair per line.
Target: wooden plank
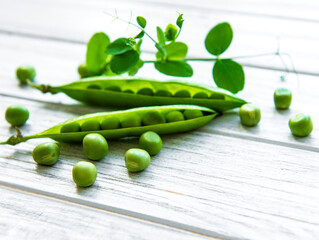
56,64
34,216
253,34
201,182
293,9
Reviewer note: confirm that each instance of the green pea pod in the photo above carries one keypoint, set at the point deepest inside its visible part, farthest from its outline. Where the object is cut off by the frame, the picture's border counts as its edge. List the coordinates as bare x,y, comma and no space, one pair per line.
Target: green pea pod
137,92
133,122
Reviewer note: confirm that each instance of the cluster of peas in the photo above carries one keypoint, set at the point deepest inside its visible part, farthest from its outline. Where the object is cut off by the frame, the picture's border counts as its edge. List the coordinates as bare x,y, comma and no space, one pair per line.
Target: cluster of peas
95,146
132,120
300,124
161,92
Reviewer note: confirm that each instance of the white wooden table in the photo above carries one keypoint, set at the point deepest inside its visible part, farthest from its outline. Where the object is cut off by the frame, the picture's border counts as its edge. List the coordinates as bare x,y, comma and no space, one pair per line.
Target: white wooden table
223,181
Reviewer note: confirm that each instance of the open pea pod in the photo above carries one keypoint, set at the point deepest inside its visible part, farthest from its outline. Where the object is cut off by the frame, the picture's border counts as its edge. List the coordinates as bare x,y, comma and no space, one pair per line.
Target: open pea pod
126,123
138,92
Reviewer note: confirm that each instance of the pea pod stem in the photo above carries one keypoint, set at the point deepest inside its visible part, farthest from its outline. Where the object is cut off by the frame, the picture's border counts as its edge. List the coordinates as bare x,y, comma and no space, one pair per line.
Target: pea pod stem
13,140
43,88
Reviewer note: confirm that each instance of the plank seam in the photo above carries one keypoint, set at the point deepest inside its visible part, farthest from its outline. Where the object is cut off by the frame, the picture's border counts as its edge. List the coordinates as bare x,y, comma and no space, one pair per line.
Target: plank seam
120,211
65,40
212,131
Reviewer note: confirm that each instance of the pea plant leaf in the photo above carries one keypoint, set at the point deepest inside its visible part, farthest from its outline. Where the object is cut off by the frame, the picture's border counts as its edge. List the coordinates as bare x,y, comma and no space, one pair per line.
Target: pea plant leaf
140,35
120,45
179,20
174,68
122,63
229,75
135,69
95,53
160,36
141,21
170,32
219,38
174,51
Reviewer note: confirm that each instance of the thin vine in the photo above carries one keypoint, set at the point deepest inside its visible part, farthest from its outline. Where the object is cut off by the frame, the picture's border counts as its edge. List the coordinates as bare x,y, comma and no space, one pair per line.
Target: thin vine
123,54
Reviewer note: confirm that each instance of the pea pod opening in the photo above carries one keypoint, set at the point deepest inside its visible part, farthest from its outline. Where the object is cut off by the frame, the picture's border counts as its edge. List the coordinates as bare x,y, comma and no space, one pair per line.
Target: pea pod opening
65,132
139,92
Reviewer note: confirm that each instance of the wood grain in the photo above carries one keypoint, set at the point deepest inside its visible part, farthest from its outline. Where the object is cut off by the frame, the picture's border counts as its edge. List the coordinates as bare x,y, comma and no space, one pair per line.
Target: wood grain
223,181
209,184
55,219
254,34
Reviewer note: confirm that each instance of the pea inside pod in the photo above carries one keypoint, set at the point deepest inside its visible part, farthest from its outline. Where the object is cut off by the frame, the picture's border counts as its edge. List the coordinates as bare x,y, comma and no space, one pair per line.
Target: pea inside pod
137,92
134,122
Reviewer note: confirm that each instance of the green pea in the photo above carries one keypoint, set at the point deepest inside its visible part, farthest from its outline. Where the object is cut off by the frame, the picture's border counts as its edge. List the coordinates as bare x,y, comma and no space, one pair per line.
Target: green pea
282,98
111,123
90,125
182,94
200,95
132,120
46,153
93,86
150,142
301,125
137,159
128,91
153,117
217,96
82,70
146,91
163,93
113,88
192,113
84,174
17,115
25,73
95,146
249,115
174,116
71,127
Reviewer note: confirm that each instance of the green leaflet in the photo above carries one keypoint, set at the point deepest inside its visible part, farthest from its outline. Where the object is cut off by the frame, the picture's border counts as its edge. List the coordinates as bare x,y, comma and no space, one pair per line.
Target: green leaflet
119,46
160,36
95,54
170,32
219,38
124,62
141,21
175,68
135,69
179,20
174,51
229,75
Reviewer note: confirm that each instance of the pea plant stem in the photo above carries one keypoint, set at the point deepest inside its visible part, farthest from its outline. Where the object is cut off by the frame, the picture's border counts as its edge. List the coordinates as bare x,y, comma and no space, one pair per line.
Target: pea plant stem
133,24
215,59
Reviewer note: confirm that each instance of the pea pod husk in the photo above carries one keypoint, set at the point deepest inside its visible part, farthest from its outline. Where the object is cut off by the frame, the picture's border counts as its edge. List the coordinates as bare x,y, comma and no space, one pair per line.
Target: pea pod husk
163,128
82,91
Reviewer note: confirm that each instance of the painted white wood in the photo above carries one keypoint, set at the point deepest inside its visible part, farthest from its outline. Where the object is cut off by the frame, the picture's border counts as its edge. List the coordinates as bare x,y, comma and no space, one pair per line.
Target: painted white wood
223,180
253,34
206,183
34,216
